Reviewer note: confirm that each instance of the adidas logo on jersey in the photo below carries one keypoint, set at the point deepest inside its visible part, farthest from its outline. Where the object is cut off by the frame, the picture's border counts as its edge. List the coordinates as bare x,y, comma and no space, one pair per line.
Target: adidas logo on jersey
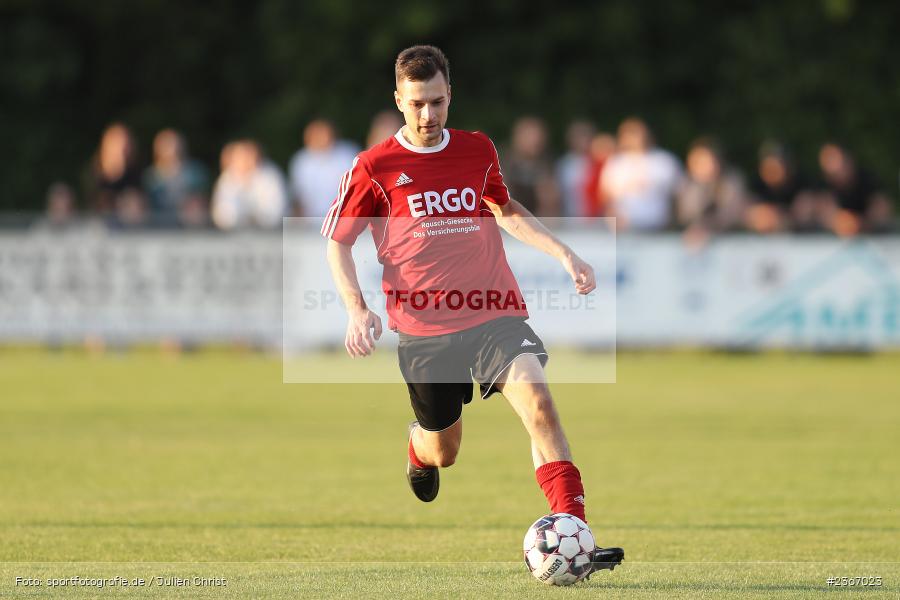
403,179
527,343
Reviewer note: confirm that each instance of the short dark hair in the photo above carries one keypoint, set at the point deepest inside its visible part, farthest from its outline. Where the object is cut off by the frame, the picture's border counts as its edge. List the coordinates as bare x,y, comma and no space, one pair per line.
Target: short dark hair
421,63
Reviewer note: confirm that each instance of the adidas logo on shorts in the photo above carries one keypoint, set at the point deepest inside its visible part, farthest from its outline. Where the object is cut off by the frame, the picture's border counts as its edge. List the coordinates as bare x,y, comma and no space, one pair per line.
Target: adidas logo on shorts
527,342
403,179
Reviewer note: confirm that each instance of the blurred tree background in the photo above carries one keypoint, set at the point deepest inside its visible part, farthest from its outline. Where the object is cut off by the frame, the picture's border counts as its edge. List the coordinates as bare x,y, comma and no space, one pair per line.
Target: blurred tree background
803,71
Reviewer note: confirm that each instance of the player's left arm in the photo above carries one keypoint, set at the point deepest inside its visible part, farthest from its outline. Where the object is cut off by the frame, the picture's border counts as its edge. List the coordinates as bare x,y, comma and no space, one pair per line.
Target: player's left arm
525,227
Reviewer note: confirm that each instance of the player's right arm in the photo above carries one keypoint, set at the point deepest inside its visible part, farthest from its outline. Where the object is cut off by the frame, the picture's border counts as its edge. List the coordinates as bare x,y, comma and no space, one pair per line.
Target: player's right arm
362,323
349,215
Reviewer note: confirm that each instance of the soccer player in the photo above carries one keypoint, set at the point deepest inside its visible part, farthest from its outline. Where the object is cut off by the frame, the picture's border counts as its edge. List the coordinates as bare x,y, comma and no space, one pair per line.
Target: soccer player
433,198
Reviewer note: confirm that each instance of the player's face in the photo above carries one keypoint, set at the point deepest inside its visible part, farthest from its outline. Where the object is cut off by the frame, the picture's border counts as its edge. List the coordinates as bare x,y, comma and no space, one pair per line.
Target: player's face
424,106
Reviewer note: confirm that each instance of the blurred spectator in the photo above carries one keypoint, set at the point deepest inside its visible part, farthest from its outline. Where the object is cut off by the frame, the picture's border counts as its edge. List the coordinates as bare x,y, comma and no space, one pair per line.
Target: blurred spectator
853,195
711,198
526,170
176,185
130,210
61,215
640,180
384,125
249,191
776,191
316,170
60,211
113,169
573,167
603,146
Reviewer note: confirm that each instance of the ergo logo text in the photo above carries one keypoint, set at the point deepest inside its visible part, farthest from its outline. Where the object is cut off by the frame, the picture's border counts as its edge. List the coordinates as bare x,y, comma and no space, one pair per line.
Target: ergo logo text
429,203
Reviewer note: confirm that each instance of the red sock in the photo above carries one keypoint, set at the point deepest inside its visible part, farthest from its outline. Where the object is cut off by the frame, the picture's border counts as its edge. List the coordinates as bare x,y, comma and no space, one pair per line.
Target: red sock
561,483
413,458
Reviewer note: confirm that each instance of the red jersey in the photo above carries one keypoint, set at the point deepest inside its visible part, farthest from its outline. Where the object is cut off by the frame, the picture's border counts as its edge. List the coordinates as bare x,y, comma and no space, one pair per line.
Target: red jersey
445,269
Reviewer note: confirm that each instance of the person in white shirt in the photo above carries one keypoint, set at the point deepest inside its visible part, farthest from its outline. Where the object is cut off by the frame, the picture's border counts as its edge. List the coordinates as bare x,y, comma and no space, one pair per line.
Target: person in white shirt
250,191
316,169
640,180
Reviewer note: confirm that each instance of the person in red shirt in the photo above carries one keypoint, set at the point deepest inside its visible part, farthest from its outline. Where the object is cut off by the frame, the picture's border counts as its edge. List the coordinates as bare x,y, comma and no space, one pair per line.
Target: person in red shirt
434,200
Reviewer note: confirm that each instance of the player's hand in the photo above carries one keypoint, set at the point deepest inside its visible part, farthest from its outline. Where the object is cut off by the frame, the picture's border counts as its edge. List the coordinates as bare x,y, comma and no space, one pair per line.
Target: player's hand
363,329
581,272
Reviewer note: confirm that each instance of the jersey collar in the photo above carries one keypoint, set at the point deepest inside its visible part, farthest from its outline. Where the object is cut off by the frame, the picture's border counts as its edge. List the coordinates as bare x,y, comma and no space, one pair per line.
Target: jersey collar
445,139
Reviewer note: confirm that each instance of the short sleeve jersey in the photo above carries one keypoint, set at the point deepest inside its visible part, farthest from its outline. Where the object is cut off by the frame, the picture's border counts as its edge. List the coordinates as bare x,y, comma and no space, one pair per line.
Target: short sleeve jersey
445,269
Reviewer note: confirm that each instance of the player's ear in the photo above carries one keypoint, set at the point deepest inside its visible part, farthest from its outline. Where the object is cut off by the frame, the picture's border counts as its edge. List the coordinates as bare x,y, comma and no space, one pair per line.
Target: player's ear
398,99
448,93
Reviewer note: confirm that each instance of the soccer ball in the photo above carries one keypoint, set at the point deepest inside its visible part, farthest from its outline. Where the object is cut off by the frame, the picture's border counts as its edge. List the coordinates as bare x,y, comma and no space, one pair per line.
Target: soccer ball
557,549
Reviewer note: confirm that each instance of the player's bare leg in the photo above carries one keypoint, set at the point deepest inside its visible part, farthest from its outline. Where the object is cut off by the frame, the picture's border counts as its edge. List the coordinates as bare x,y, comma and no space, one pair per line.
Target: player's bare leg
437,448
429,450
536,456
525,387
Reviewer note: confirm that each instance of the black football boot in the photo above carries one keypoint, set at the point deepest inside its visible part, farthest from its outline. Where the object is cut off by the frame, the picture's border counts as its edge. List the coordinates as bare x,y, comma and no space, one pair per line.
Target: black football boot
605,558
424,482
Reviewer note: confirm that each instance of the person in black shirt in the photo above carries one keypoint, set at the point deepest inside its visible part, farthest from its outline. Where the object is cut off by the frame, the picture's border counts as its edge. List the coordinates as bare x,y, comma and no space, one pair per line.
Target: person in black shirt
528,172
114,172
780,194
856,202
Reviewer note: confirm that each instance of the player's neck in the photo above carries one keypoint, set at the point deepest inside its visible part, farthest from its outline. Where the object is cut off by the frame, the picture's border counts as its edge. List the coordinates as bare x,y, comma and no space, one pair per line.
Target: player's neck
415,141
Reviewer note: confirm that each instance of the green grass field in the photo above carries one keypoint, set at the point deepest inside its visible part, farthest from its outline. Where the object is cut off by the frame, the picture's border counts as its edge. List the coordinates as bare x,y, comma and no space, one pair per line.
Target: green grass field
722,476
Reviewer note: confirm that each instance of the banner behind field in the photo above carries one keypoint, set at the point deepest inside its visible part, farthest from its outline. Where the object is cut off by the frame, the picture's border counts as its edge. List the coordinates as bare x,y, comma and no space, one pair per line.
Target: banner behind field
208,287
140,286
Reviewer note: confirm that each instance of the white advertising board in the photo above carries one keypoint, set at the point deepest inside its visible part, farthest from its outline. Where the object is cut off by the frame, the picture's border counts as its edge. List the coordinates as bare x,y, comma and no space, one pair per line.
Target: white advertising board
740,292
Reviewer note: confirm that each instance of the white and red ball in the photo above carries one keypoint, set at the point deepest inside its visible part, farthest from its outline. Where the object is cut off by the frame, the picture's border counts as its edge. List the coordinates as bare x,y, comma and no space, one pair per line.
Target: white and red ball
558,549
